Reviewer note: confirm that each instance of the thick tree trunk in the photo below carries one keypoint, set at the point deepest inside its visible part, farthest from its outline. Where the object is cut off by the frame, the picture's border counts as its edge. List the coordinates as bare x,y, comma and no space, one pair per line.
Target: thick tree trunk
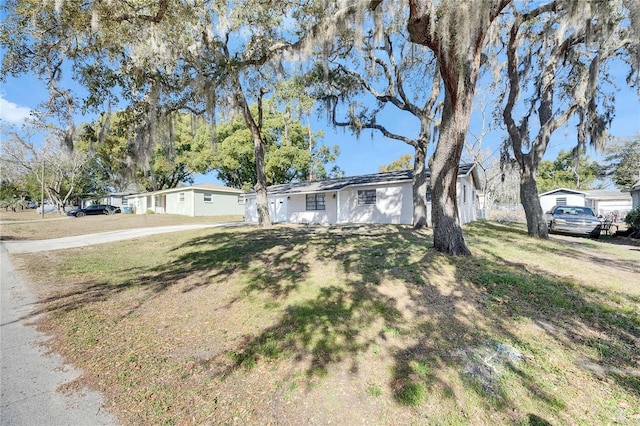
536,223
420,187
447,232
262,202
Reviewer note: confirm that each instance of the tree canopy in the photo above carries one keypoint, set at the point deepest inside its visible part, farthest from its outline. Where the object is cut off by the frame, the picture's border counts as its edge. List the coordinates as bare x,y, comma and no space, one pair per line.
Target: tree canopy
622,161
569,171
219,59
292,151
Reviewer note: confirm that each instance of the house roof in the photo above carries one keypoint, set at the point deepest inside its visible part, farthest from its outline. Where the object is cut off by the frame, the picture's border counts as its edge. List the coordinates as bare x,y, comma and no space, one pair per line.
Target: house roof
361,180
608,194
201,186
563,190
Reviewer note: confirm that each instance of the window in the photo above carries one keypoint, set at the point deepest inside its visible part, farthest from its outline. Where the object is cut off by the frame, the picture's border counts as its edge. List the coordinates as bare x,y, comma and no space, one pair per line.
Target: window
208,197
241,199
428,193
315,202
366,196
181,197
125,202
561,201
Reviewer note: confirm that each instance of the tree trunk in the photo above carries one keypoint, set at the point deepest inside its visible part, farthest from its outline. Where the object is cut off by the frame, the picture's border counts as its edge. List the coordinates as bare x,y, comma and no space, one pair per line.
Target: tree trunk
536,223
419,187
262,201
447,232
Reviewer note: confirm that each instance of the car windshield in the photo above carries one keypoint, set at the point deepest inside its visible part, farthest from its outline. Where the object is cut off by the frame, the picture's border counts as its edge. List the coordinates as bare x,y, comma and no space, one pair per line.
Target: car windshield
575,211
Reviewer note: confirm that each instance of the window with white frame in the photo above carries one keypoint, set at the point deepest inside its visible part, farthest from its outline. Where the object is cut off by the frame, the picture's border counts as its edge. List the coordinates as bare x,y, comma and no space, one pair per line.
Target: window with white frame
208,197
181,197
125,202
561,201
366,196
315,202
241,199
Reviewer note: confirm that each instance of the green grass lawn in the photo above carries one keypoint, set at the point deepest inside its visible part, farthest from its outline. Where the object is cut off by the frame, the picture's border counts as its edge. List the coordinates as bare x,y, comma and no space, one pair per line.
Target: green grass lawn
306,325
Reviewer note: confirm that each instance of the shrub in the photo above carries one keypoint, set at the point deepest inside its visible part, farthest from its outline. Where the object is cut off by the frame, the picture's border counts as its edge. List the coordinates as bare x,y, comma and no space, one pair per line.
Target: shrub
633,219
412,394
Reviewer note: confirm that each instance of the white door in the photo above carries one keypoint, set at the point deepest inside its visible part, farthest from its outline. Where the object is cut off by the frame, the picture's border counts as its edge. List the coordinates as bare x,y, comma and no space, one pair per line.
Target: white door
278,209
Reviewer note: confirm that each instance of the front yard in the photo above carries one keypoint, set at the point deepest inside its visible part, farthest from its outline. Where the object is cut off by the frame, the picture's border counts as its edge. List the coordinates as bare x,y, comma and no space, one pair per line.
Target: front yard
349,325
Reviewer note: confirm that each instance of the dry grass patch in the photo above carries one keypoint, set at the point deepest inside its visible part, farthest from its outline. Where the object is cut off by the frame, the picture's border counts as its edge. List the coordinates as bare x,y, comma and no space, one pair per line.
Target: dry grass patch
306,325
27,225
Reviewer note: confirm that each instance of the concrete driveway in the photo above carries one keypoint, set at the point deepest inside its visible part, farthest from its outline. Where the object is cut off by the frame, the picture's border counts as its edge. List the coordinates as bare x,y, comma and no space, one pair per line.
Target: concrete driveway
29,376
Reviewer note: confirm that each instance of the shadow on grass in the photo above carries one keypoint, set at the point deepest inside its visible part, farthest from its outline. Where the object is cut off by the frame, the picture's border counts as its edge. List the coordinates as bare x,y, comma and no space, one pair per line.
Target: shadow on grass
454,303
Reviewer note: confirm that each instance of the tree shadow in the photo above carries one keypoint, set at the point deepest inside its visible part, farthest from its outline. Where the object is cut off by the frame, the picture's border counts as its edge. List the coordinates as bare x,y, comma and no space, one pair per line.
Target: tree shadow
391,281
507,292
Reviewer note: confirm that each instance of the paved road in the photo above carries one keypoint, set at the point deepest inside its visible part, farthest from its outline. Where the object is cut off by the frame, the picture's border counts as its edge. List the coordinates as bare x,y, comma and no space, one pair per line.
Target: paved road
30,377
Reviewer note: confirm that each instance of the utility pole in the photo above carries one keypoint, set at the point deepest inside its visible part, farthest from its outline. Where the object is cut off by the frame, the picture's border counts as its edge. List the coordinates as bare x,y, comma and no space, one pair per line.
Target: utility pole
42,192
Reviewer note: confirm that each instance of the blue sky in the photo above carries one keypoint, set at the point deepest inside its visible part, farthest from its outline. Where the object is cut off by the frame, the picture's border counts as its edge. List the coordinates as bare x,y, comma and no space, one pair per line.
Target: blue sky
358,155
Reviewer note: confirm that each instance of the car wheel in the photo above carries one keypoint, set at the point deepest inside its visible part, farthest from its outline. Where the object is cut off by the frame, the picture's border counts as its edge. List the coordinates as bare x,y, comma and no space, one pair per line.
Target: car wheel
79,214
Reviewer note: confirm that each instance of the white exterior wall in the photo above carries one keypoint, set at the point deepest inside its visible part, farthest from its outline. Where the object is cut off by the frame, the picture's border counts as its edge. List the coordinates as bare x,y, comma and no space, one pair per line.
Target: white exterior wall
394,204
467,204
548,201
604,207
139,203
297,210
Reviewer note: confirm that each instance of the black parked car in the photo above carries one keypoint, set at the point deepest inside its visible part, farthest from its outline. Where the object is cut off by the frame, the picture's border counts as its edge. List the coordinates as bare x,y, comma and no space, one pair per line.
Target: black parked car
94,209
576,220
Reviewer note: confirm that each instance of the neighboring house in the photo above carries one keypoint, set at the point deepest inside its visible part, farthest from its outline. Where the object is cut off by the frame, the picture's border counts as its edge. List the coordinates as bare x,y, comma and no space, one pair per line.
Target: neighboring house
115,199
635,195
198,200
374,198
607,202
602,201
562,197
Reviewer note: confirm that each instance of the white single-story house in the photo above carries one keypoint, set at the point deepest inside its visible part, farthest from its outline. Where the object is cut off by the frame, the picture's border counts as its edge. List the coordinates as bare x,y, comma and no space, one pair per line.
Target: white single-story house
635,195
198,200
602,201
561,197
375,198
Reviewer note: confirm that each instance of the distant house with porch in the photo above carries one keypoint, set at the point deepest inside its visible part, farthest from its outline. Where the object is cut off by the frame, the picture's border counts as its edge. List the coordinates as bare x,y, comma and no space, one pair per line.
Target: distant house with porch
197,200
115,199
374,198
602,201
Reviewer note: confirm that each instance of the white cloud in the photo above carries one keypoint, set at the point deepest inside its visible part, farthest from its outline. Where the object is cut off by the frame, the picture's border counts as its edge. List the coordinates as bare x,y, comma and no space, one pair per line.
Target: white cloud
13,113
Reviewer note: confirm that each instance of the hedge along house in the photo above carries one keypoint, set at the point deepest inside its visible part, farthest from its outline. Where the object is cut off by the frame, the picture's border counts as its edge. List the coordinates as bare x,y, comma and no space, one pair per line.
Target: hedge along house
385,198
198,200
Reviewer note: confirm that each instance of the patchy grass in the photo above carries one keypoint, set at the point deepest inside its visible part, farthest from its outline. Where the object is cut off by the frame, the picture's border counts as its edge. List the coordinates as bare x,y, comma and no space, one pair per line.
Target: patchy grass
349,324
